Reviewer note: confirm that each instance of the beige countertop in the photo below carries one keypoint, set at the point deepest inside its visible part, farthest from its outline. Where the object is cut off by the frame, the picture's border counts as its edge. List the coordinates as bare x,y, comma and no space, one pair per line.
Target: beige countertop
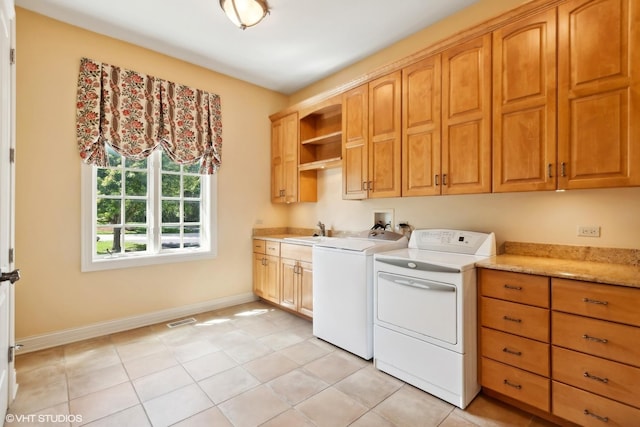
600,265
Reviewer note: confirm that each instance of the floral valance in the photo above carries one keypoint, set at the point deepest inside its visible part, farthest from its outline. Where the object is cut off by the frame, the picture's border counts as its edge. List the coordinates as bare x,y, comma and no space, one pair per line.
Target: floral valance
136,113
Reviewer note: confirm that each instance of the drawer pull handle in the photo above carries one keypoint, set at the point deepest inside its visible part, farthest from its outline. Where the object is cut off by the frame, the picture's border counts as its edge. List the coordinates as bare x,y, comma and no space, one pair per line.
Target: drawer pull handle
515,288
512,319
510,384
594,301
593,377
516,353
591,414
590,338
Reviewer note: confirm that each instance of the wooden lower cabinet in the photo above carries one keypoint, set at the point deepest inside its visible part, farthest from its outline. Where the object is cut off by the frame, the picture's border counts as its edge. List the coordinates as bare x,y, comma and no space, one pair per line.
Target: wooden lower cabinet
586,371
283,274
297,278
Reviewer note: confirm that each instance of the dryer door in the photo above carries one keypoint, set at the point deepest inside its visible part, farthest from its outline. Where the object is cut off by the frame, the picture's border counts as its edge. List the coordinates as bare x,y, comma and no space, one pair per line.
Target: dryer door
421,308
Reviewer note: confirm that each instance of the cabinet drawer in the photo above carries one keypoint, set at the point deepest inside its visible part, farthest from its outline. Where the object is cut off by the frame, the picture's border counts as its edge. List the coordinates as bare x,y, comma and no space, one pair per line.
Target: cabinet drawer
299,252
519,319
612,341
516,287
515,383
272,248
516,351
259,246
604,377
607,302
587,409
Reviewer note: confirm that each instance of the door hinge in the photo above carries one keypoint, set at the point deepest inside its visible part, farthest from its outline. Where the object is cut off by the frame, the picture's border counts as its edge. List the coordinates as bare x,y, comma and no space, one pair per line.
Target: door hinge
11,256
12,56
12,352
12,155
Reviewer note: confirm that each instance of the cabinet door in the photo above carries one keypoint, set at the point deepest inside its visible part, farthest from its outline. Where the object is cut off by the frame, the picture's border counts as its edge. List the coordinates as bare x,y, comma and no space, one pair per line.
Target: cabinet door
284,159
385,136
259,274
598,93
421,101
355,138
271,289
290,158
277,161
466,117
289,283
524,105
305,305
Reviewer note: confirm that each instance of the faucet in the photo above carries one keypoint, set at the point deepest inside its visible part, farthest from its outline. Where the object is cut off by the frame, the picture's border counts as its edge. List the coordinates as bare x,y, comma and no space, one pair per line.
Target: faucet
322,229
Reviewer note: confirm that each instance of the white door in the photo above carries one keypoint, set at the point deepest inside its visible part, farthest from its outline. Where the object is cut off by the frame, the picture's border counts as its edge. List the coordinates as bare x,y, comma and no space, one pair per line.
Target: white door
7,175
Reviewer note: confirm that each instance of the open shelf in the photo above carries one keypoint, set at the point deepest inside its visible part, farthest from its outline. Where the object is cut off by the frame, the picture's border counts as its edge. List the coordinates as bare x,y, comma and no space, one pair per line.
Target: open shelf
321,136
329,138
321,164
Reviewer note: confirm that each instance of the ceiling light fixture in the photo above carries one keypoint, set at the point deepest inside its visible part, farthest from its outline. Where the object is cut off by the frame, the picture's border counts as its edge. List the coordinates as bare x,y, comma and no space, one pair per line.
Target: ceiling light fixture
245,13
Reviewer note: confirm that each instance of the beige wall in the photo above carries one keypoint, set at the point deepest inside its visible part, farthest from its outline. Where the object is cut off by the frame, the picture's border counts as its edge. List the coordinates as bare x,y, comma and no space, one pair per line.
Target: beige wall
53,294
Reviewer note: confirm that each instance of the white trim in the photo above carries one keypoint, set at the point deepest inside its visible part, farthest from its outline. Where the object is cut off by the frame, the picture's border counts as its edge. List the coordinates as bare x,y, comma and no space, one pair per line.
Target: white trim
87,245
66,336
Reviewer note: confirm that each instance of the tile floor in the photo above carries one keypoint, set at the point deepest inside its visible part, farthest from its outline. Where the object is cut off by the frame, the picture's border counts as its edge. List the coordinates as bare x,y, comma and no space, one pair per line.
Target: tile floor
247,365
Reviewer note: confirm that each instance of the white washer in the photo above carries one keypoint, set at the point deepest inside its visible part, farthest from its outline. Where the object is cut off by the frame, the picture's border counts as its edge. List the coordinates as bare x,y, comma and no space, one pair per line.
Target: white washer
425,326
343,289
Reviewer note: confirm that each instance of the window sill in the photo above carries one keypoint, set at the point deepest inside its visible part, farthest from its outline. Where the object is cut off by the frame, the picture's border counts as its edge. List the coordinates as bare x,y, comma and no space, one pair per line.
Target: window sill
116,263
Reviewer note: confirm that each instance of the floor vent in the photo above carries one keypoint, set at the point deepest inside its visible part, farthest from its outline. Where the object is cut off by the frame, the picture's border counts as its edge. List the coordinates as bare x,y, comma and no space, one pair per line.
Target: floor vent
182,322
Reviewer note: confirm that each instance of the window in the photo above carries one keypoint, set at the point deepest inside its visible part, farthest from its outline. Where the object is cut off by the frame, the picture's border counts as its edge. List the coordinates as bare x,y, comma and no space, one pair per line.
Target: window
142,212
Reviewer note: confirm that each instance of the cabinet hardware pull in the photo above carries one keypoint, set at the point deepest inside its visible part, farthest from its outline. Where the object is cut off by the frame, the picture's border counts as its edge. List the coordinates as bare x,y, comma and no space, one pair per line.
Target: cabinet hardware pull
364,185
563,169
444,179
437,179
549,168
370,185
591,414
512,319
264,261
590,338
516,353
515,288
510,384
593,377
594,301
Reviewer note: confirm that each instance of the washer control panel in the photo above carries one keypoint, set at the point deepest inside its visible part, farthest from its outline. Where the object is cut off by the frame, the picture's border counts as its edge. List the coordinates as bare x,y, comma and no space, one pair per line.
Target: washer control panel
457,241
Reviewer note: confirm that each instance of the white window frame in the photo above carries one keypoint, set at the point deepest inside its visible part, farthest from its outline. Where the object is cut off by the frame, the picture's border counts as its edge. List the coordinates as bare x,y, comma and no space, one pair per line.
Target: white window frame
208,231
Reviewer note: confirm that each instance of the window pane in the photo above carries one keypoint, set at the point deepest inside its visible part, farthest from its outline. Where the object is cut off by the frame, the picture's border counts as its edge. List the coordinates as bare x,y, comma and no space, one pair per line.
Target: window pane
191,186
108,240
170,211
170,237
192,237
135,211
191,211
168,165
135,164
171,185
192,168
113,158
109,182
135,239
108,211
136,184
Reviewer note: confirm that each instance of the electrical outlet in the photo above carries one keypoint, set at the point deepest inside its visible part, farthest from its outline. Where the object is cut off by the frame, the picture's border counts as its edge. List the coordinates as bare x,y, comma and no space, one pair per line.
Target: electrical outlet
589,230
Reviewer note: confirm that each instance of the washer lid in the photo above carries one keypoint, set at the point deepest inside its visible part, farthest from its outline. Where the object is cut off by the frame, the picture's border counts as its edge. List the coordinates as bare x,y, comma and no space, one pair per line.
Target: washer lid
363,245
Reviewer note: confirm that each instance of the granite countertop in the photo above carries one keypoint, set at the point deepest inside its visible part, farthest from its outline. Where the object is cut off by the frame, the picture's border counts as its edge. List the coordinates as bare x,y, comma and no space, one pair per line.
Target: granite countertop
600,265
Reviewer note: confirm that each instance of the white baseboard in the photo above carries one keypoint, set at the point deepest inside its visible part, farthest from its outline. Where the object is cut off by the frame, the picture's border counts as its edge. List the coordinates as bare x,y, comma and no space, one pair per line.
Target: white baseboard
66,336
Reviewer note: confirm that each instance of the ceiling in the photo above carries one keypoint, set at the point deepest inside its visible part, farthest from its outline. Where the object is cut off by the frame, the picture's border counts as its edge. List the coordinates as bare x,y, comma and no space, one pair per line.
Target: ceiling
298,43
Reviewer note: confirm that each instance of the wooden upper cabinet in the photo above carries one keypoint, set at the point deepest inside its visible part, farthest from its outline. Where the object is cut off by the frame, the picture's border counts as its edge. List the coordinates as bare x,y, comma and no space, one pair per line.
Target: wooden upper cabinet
598,93
421,125
355,142
524,105
466,117
284,159
385,136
